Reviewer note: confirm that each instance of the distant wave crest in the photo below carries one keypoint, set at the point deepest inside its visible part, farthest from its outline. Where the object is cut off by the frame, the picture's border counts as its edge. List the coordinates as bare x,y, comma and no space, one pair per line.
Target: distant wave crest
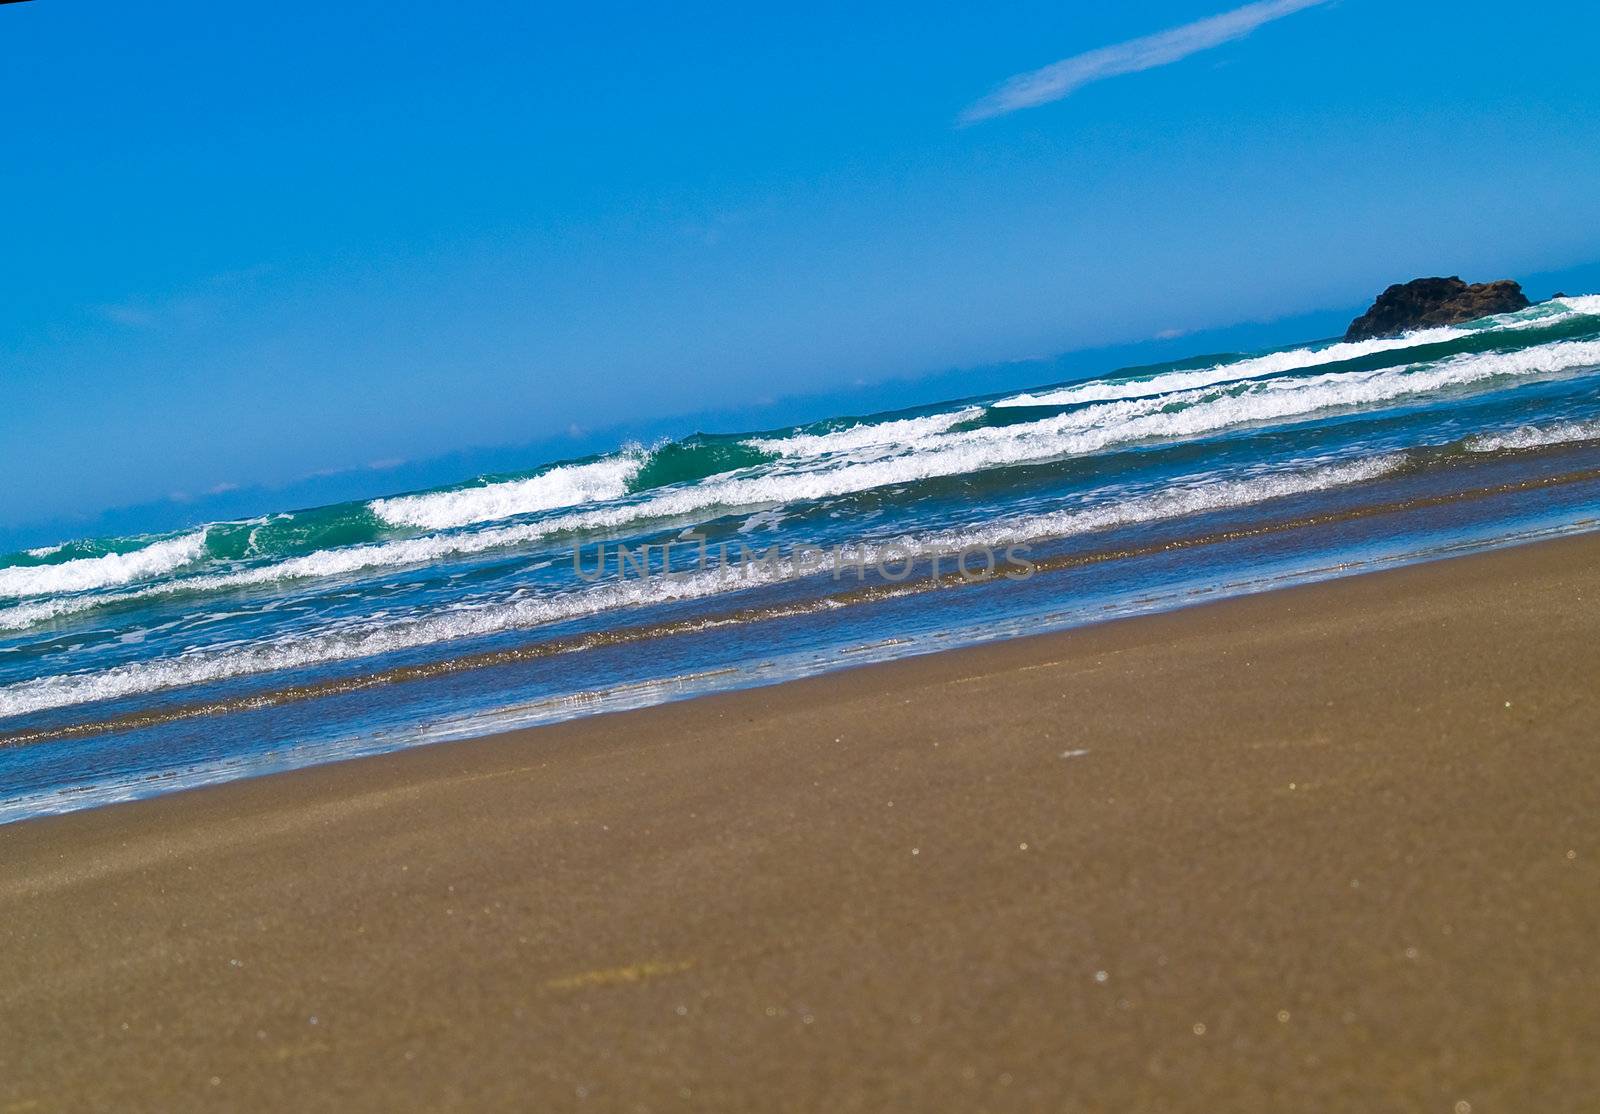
562,486
86,573
386,636
701,477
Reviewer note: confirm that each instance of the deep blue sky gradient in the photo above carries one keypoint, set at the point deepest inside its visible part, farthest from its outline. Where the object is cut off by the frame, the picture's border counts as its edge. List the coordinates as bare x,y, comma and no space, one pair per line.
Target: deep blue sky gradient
244,244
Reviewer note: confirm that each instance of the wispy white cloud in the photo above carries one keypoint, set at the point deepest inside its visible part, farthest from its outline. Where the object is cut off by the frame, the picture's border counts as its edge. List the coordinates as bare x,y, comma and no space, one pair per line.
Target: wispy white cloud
1028,90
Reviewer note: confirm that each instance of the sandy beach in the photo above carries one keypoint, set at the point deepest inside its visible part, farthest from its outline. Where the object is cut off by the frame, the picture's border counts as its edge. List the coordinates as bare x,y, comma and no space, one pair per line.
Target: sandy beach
1329,848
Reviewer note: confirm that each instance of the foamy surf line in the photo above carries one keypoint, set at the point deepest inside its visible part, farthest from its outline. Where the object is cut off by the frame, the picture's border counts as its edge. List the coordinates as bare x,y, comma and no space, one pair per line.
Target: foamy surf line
99,572
711,621
1296,359
562,486
866,435
811,467
140,678
1534,437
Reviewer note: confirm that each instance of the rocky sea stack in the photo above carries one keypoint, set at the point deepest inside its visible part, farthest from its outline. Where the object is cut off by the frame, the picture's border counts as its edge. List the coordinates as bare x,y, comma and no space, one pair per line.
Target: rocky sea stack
1428,302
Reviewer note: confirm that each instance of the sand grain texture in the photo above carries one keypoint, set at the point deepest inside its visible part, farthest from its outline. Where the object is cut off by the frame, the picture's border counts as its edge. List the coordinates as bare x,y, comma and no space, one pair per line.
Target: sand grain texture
1332,848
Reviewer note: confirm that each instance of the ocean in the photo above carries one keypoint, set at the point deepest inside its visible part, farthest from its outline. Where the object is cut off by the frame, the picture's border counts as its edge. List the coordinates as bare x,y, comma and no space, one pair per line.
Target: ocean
133,666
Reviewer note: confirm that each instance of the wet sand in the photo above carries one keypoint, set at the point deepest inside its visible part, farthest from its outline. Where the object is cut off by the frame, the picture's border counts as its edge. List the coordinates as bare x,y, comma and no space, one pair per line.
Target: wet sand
1331,848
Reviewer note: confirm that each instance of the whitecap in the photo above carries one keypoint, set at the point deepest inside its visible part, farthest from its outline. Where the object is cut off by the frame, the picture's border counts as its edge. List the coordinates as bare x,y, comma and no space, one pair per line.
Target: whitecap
387,636
1534,436
566,485
87,573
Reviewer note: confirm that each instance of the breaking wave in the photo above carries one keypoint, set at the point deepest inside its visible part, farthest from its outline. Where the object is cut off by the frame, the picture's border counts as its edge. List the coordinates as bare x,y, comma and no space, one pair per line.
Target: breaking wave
1534,436
706,476
1299,359
85,573
563,486
386,636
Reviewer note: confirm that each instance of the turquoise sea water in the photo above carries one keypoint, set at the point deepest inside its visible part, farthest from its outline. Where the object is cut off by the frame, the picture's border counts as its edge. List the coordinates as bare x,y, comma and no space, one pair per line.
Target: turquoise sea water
140,664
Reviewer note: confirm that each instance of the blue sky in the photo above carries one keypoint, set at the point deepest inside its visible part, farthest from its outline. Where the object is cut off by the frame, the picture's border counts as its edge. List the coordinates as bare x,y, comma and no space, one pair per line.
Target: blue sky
249,244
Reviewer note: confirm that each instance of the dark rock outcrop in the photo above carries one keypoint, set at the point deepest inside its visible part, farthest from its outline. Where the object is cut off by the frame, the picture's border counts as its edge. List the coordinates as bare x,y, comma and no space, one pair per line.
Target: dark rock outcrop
1428,302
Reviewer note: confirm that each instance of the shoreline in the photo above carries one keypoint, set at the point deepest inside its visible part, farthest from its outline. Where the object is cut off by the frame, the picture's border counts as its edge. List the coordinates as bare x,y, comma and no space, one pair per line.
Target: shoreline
1332,845
863,592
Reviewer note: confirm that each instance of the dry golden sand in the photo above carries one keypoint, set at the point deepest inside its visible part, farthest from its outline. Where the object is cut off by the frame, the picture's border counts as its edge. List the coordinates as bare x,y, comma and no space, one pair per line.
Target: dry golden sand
1331,849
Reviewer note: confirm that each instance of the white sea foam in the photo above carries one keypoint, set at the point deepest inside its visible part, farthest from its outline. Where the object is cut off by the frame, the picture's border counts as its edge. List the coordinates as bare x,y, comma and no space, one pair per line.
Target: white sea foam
322,564
386,636
1195,412
1176,502
1298,359
87,573
1097,427
865,435
25,615
1586,304
1534,436
930,451
1274,363
565,486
